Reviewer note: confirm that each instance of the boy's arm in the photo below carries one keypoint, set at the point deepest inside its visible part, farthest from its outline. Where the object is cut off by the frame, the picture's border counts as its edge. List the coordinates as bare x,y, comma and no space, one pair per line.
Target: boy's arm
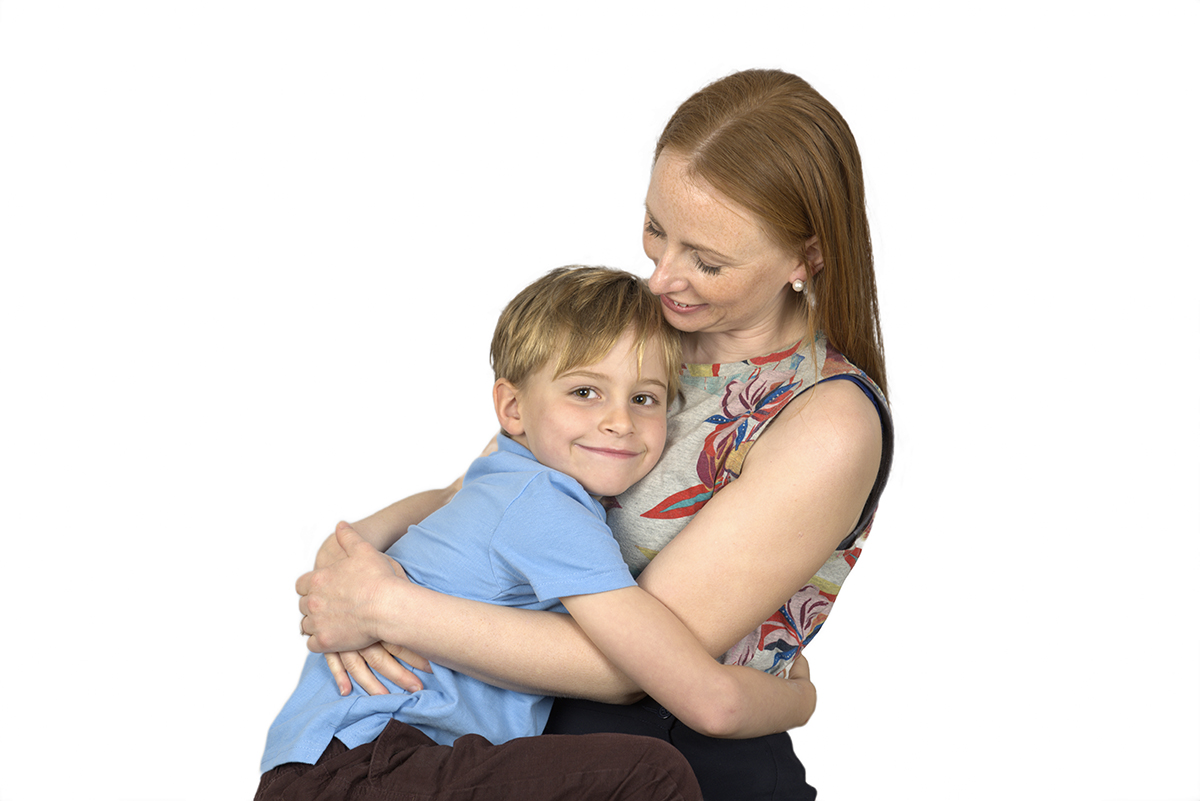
388,525
636,642
383,528
648,643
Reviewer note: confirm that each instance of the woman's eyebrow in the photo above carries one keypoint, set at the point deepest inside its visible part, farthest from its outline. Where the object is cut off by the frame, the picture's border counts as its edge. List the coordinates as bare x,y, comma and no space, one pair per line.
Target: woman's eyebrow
691,246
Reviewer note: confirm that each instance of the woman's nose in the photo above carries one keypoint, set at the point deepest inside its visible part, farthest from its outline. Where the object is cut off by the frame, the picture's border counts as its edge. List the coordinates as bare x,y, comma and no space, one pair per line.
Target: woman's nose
666,277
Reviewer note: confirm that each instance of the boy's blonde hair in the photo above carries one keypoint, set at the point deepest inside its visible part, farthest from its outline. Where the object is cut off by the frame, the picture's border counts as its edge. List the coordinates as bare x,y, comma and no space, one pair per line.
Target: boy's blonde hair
580,313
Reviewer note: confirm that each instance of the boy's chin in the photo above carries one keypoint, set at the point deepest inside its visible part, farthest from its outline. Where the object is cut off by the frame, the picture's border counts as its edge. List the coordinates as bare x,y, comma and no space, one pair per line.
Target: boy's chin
610,490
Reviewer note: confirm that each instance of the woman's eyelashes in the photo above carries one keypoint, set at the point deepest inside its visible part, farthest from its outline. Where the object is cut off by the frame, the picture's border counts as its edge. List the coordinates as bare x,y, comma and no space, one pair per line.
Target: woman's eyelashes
707,269
656,232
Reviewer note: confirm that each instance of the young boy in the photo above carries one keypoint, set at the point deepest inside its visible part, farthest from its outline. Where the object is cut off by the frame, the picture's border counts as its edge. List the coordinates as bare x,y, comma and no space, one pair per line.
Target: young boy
585,370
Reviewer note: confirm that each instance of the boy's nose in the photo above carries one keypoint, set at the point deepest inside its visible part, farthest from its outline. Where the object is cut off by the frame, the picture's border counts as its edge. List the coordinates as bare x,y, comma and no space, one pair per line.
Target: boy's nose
617,420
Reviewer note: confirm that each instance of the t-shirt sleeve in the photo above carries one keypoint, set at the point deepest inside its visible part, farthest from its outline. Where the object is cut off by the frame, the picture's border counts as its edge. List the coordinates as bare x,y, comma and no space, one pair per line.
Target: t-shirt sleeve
553,540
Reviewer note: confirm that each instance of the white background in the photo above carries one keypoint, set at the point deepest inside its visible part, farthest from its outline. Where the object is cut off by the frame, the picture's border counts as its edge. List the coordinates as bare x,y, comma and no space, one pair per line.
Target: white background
253,251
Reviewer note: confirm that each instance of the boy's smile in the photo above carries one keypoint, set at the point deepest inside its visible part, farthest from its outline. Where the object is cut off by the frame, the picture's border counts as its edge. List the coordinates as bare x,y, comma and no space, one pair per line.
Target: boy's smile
603,424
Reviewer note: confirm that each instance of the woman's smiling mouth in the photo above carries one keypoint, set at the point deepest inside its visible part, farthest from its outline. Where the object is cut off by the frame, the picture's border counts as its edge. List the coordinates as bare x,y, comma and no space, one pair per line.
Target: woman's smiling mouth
675,305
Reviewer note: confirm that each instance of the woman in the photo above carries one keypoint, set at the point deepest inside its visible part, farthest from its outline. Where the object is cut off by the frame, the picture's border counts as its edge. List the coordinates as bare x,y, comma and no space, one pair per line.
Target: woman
756,224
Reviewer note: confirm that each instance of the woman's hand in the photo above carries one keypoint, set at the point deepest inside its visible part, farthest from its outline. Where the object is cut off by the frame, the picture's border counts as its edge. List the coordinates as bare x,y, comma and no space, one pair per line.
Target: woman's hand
329,553
339,602
365,665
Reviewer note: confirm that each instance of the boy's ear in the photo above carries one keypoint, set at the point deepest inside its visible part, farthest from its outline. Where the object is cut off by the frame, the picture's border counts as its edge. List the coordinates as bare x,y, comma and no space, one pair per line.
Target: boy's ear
508,407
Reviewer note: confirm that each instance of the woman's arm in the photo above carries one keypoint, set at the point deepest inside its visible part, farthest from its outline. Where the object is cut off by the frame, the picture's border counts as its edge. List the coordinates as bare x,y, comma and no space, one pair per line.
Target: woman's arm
748,550
657,652
765,535
381,530
639,635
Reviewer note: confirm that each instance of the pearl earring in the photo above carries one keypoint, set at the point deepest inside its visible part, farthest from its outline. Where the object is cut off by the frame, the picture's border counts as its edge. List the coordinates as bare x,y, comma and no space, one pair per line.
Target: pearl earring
798,285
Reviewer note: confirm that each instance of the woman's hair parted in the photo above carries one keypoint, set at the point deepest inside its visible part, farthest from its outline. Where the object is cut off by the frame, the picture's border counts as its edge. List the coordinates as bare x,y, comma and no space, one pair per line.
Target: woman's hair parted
577,314
768,141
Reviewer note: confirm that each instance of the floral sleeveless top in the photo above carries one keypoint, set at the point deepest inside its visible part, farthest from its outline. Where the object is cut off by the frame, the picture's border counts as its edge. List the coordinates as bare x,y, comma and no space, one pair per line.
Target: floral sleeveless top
722,410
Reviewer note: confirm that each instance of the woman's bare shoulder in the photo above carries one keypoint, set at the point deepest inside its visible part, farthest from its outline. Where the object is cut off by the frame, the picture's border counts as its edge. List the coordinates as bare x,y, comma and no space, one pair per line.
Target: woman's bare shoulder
834,425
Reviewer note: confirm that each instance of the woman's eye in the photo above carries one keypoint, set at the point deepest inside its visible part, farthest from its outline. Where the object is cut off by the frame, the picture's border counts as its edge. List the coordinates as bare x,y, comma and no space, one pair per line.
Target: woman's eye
643,399
707,269
652,230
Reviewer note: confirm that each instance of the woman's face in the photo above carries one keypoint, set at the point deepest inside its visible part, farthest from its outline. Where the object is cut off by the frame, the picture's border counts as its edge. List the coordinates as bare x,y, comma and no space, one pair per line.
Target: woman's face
715,268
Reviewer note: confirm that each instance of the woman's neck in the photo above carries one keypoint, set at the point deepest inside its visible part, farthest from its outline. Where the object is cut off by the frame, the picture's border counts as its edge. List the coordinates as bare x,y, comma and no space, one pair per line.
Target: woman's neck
716,347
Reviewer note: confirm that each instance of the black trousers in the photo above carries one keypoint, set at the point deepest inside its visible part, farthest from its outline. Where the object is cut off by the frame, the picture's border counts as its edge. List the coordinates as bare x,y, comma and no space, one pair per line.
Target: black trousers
756,769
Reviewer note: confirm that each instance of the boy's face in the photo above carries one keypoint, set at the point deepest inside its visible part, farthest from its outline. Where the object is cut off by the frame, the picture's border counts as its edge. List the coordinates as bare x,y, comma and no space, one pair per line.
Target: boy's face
603,424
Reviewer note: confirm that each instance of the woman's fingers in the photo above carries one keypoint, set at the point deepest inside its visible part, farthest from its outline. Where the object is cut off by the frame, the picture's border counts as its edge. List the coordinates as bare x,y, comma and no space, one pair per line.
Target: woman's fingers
384,664
329,553
339,672
366,665
356,665
416,660
304,584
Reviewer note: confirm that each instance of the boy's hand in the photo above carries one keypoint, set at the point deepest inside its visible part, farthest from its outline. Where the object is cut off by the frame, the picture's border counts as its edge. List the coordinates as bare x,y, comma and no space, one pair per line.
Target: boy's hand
800,669
799,674
338,602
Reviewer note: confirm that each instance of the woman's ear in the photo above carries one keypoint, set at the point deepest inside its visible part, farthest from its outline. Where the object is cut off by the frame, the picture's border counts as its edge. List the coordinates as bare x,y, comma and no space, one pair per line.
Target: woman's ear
811,260
508,407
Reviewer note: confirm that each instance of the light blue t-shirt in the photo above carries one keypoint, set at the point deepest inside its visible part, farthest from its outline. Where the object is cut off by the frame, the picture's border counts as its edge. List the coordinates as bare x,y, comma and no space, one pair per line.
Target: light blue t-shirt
517,534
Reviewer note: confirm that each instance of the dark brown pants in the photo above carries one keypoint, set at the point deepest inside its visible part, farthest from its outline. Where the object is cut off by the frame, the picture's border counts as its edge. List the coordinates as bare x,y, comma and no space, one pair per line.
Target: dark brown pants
405,765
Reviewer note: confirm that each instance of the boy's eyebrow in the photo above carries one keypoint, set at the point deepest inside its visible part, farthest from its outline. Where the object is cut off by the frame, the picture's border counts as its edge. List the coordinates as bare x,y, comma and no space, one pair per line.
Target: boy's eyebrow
720,256
583,372
654,381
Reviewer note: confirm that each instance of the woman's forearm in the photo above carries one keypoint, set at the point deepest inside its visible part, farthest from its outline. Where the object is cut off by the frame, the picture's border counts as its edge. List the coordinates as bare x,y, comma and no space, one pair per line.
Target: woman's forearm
758,704
656,650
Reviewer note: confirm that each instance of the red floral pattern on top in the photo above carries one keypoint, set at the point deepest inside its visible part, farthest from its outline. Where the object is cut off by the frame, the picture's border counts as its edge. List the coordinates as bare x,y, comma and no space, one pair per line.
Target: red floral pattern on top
746,406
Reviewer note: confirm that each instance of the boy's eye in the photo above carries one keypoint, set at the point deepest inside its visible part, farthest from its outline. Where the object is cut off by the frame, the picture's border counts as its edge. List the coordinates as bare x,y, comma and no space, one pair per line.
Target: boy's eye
642,399
587,393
